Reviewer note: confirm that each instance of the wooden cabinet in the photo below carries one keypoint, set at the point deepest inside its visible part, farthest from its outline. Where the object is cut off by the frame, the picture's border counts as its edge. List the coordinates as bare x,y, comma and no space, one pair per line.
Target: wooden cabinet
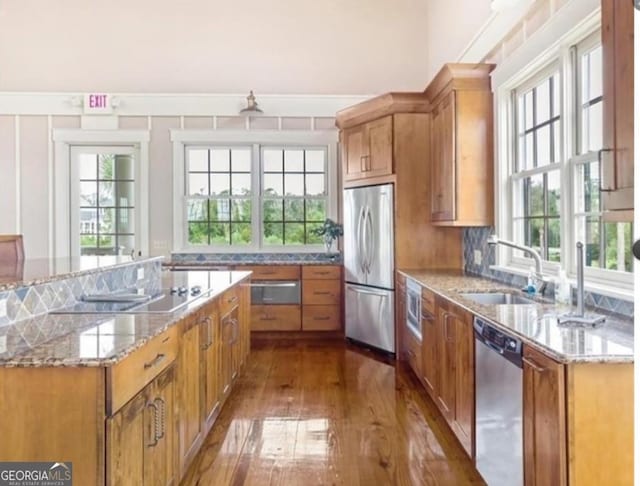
322,298
229,328
429,337
368,150
191,389
443,186
140,437
616,158
545,455
448,368
462,146
210,351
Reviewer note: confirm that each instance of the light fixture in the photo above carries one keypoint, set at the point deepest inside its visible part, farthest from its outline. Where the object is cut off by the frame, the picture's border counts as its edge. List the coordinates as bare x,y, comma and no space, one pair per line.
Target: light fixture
252,106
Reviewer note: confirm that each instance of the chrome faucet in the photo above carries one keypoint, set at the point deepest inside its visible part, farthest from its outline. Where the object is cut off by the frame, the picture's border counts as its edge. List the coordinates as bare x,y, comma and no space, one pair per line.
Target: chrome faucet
580,317
541,284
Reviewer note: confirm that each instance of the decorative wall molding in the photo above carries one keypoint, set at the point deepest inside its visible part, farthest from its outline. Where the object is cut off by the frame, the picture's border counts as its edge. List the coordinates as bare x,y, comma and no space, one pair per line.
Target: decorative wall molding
12,103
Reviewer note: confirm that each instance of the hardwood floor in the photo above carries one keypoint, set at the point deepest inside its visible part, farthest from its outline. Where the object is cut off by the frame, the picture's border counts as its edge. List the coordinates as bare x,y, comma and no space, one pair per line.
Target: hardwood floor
326,413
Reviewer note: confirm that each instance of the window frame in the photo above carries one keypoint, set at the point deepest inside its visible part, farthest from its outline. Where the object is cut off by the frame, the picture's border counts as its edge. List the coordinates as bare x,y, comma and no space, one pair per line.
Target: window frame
527,68
257,139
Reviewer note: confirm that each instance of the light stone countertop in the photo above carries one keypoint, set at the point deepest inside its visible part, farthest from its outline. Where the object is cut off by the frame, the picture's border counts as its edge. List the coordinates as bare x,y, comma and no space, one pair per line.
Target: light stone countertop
536,324
81,340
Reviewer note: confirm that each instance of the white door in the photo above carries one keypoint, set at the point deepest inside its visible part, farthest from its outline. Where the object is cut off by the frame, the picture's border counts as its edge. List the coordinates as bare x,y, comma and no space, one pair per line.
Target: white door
104,197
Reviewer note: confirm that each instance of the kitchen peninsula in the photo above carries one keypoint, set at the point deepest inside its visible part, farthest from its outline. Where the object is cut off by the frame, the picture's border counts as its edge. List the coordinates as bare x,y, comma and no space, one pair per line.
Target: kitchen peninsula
126,397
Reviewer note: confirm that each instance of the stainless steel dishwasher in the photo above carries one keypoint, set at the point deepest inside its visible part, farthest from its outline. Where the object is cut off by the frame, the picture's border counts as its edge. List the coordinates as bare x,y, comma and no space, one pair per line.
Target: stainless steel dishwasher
499,441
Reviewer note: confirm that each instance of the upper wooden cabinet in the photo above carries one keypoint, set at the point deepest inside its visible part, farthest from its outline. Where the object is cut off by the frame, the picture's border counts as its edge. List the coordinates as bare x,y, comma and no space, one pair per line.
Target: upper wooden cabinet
462,145
367,135
616,157
369,150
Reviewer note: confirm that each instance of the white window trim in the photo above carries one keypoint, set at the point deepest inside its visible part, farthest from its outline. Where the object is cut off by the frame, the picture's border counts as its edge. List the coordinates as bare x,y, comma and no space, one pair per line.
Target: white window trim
182,139
63,140
540,52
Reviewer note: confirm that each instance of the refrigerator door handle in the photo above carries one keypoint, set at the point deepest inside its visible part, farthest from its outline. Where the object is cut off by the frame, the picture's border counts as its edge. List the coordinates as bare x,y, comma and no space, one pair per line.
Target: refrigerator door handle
369,241
367,292
359,230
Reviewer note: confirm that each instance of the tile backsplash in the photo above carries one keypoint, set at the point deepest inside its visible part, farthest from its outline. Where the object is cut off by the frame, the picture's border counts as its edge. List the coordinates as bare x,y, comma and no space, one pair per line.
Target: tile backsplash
230,258
476,239
30,301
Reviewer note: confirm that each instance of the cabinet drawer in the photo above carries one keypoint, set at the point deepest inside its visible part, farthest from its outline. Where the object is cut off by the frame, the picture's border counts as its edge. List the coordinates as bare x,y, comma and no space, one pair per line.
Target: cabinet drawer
275,317
321,318
128,377
428,301
321,272
228,300
321,292
273,272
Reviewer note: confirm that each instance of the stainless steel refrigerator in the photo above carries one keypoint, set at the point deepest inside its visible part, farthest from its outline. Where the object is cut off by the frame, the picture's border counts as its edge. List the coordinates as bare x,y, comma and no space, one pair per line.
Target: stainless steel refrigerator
369,266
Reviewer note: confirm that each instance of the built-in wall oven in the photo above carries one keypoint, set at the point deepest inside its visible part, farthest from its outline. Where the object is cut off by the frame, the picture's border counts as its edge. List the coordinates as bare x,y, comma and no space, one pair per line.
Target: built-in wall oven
414,308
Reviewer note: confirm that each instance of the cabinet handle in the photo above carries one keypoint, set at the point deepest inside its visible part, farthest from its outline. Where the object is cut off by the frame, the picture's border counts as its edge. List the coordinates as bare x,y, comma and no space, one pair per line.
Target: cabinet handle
447,335
232,299
322,292
268,318
322,273
155,361
156,424
601,164
535,366
326,318
163,416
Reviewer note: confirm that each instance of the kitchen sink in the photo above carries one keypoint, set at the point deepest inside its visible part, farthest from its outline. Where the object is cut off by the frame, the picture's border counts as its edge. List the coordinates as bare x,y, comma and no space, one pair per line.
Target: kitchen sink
498,298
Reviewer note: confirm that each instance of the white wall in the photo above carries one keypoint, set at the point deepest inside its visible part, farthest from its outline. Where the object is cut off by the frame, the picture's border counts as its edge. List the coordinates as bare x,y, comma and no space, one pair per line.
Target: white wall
214,46
451,26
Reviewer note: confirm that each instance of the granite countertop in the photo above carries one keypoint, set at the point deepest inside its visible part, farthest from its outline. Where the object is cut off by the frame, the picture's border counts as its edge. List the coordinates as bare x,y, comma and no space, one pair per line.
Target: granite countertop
240,263
535,324
37,271
81,340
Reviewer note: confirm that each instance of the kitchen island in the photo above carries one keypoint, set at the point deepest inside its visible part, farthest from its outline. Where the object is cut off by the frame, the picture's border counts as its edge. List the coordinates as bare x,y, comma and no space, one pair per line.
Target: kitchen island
127,398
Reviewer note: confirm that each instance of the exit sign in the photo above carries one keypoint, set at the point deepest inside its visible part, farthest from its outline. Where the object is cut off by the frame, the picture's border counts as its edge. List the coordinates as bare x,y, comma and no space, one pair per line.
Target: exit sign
97,104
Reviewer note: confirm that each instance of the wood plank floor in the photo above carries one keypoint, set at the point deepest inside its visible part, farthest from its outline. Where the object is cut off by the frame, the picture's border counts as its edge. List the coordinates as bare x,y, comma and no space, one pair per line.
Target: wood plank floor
326,413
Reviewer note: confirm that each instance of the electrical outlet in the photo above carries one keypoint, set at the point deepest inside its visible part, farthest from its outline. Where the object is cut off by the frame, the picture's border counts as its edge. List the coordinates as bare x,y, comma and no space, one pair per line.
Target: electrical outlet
140,273
477,257
160,244
3,308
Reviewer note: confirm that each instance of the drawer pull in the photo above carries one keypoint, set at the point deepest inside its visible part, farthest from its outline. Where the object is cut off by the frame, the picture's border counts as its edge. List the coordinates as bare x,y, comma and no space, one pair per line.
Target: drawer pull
326,318
325,292
155,361
322,273
166,339
232,299
267,318
534,365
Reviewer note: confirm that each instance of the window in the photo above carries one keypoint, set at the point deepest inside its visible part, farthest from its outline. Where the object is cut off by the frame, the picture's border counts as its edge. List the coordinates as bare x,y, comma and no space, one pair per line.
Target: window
269,196
550,165
536,173
219,191
294,195
607,245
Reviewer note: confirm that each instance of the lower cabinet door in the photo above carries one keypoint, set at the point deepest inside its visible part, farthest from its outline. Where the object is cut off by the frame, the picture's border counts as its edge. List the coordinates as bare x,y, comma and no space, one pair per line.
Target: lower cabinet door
160,467
430,355
141,439
545,453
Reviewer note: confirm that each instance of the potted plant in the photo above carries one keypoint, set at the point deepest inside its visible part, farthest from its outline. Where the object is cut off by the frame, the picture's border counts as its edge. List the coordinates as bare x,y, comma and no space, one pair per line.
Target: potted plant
330,230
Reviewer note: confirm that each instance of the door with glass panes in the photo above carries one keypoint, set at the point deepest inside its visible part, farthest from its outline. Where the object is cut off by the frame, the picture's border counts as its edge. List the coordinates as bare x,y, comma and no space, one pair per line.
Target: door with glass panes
104,194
